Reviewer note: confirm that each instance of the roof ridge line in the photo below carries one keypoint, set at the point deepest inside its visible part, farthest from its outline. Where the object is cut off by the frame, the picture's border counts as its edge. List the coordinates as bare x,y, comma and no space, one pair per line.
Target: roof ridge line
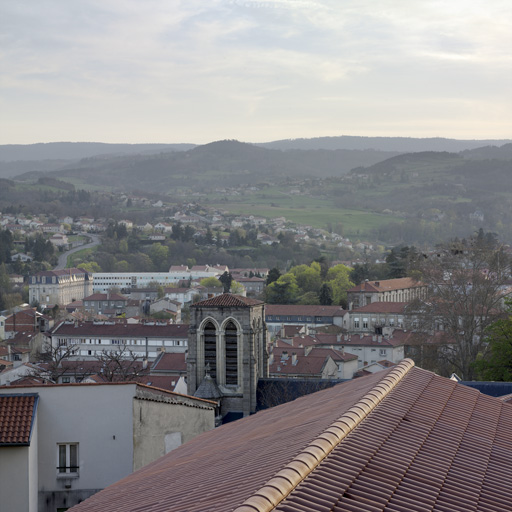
267,497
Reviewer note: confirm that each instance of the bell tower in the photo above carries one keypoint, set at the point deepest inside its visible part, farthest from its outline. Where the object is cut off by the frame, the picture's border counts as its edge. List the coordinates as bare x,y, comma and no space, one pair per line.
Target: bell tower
227,335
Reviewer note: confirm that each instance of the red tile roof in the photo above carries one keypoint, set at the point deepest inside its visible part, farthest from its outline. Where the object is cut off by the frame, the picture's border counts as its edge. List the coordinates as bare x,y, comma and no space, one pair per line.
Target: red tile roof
170,361
17,414
382,307
227,300
386,285
121,329
106,297
401,440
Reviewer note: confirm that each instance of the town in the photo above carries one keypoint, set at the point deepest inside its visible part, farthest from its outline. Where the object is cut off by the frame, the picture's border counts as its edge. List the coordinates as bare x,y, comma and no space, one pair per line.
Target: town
220,342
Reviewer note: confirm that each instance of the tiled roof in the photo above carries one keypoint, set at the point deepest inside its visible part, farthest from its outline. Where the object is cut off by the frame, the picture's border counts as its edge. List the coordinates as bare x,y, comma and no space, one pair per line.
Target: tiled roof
170,361
121,329
17,414
386,285
106,296
301,310
382,307
402,440
227,300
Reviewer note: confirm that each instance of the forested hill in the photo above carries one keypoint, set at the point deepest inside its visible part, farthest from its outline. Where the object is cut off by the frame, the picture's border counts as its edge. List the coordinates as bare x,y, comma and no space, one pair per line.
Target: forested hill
223,163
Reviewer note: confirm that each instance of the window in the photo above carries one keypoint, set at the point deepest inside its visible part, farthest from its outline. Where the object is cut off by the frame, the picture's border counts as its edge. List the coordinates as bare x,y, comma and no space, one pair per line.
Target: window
356,323
365,323
210,349
231,354
67,459
383,352
66,380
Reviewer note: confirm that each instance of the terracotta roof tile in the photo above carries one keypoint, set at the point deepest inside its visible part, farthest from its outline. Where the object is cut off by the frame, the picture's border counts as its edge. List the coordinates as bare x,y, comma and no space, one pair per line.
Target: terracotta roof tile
170,361
121,329
382,307
227,300
400,440
17,413
387,285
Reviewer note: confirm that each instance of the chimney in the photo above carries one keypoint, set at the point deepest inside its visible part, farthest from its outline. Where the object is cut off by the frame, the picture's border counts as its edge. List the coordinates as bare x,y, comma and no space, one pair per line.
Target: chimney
379,339
374,338
338,337
294,358
271,358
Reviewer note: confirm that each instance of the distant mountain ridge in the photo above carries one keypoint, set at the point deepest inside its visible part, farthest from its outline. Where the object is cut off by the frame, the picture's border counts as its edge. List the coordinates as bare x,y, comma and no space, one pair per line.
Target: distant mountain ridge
398,144
79,150
222,162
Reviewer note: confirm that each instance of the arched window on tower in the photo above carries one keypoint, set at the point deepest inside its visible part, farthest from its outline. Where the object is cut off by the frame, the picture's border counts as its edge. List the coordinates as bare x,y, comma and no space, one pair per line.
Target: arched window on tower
210,349
231,354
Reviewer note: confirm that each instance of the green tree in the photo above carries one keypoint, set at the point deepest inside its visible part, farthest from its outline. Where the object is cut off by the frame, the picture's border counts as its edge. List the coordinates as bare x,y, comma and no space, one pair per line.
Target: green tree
90,266
325,295
283,291
211,282
273,275
308,278
237,288
497,365
338,279
309,298
159,254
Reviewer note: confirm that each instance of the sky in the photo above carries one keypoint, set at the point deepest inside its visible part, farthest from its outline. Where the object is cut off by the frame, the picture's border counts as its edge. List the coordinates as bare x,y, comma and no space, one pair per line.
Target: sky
169,71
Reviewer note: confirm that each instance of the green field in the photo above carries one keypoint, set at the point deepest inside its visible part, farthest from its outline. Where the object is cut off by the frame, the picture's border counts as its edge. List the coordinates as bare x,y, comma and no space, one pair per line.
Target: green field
356,223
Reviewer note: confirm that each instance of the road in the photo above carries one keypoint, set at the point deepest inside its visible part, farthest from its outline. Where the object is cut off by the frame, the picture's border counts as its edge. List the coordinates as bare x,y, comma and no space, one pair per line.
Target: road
63,258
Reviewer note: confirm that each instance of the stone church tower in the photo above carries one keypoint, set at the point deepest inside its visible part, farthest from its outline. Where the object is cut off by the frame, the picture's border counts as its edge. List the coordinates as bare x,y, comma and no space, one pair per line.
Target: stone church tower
227,341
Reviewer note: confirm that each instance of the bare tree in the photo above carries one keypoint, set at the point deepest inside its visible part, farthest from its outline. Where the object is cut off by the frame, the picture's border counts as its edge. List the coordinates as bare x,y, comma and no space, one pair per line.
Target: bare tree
121,364
56,361
465,296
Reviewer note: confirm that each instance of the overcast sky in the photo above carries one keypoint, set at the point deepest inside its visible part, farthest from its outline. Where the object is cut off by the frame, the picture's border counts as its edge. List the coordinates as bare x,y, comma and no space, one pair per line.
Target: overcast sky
198,71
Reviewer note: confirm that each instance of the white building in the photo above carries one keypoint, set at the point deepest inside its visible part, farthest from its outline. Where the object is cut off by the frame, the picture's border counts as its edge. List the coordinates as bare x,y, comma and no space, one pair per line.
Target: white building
104,281
144,340
63,443
59,286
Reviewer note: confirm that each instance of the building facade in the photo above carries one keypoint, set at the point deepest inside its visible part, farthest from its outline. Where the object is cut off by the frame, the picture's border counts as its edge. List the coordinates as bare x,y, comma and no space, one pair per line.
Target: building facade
404,289
227,341
59,286
145,340
77,446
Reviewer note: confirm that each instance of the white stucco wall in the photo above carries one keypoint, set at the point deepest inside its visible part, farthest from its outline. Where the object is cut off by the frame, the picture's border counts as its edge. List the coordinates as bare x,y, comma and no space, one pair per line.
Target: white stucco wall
18,476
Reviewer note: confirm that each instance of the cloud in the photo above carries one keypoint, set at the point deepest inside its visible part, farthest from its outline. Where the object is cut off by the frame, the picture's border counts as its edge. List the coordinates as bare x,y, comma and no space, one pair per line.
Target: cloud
190,70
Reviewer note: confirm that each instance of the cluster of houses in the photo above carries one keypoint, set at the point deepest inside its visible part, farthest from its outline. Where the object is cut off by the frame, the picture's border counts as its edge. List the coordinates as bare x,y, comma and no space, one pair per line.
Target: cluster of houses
79,424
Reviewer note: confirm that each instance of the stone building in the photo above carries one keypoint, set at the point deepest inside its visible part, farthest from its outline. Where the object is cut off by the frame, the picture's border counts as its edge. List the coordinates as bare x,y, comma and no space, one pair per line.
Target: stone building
59,286
227,340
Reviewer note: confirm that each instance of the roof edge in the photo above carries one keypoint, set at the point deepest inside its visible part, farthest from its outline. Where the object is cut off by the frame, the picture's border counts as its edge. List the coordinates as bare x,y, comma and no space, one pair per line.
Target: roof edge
287,479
